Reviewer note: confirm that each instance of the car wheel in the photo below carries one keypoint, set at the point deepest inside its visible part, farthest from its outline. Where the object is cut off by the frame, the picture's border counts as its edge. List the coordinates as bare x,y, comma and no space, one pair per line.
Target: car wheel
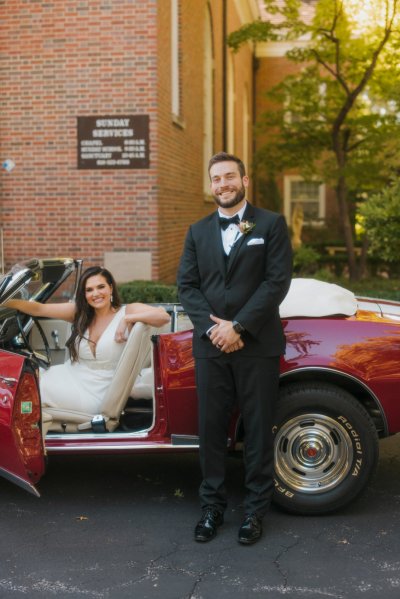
326,448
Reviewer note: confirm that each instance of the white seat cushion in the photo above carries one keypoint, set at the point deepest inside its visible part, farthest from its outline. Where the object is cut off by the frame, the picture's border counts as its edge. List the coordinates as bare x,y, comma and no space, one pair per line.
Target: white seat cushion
143,387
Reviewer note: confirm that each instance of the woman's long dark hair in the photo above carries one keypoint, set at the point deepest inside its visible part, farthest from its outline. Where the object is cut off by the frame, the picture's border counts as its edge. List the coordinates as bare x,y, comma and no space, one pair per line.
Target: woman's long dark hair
84,313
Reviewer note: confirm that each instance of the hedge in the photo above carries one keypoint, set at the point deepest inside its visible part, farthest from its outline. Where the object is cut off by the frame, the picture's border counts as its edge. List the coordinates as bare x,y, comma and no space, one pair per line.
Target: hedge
147,292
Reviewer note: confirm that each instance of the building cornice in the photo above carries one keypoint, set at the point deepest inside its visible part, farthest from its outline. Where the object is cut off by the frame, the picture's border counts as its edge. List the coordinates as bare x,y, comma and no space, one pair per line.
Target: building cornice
277,49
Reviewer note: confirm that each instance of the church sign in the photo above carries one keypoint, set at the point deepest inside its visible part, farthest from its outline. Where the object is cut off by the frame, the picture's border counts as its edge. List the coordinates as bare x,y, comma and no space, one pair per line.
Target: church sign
114,142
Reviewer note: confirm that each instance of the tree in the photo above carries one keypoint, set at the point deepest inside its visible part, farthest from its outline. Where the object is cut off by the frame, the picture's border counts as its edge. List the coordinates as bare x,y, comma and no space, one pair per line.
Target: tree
338,118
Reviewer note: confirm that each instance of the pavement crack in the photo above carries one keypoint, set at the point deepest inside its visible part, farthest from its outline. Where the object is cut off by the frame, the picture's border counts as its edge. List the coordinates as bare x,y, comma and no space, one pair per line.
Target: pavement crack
284,550
197,582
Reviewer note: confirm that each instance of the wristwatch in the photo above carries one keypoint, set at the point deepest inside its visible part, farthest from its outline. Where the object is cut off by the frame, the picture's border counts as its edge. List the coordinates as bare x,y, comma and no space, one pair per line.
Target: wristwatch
238,327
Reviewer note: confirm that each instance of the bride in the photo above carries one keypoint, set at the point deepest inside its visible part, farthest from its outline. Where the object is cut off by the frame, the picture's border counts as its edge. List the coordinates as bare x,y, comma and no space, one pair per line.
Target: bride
100,325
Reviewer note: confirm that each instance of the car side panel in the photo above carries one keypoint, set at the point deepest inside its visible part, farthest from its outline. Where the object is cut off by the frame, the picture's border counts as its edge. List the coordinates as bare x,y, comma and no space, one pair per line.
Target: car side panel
368,350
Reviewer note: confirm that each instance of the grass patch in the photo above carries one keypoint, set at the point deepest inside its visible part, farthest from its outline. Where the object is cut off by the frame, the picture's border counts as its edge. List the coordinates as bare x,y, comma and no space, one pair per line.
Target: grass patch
372,287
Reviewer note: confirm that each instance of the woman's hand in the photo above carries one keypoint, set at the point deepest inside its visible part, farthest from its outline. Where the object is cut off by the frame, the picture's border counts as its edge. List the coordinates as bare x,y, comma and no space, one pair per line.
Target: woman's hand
123,330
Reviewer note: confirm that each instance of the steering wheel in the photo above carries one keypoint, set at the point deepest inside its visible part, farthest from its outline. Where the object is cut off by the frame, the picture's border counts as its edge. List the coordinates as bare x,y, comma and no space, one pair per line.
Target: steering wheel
41,359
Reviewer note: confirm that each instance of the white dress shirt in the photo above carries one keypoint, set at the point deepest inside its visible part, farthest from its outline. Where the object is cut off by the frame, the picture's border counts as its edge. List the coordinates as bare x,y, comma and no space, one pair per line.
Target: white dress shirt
231,234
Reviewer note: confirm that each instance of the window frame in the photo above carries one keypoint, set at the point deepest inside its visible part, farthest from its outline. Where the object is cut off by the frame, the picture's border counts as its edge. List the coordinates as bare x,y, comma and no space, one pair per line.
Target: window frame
288,201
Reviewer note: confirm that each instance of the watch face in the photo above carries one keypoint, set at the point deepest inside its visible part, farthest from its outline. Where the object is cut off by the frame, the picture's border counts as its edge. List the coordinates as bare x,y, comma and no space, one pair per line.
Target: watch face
238,327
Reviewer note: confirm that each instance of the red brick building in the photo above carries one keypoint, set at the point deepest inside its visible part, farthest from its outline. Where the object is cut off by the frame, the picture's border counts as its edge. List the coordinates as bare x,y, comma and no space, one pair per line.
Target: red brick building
110,112
114,66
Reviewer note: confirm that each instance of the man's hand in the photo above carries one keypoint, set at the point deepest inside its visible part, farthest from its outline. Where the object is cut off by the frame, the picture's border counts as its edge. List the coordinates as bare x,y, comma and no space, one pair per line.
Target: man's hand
224,336
234,347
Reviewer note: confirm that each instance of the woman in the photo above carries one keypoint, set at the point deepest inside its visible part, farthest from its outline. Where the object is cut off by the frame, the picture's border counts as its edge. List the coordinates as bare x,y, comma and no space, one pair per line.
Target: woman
100,326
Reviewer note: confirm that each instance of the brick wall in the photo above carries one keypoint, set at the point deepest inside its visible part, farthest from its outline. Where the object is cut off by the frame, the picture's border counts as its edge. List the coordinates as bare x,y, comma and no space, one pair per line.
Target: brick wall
180,144
61,60
180,176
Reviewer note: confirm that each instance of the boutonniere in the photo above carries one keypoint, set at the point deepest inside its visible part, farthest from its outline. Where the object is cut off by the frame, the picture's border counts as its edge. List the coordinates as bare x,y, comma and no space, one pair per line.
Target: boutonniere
246,226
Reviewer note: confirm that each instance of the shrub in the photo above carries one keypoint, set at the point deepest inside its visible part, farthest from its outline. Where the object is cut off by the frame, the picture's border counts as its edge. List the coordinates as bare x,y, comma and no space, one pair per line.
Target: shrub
305,260
148,292
379,216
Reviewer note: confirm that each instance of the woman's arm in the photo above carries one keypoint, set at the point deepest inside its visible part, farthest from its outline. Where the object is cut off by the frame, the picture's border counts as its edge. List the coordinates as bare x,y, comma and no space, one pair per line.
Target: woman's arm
156,317
64,311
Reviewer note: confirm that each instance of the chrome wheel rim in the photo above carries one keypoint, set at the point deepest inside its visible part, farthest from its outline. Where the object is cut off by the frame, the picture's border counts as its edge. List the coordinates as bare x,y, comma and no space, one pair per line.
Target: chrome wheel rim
313,453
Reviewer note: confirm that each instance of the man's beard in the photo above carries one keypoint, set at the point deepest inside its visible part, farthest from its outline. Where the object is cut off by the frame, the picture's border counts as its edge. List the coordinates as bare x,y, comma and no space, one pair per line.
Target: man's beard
240,194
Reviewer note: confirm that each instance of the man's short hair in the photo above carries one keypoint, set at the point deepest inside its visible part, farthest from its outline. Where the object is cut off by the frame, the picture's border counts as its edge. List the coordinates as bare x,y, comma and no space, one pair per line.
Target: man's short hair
225,157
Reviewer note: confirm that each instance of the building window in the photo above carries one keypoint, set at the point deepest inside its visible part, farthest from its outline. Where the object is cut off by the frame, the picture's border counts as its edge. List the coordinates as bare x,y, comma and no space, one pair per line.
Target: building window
307,195
175,61
208,100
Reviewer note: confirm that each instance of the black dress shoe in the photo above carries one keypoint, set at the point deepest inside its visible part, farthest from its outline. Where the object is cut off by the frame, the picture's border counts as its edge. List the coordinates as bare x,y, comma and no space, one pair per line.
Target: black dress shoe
251,529
206,528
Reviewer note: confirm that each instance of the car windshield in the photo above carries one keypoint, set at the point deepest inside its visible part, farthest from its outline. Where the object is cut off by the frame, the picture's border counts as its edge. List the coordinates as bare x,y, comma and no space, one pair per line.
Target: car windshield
38,279
41,280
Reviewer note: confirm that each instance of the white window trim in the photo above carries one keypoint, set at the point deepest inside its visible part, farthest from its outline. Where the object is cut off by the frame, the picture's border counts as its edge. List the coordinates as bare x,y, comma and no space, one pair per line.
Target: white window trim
246,123
208,99
175,75
287,181
231,100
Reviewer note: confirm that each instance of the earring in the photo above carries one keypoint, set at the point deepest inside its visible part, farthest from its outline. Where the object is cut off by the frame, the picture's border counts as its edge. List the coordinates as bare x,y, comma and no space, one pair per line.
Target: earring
111,298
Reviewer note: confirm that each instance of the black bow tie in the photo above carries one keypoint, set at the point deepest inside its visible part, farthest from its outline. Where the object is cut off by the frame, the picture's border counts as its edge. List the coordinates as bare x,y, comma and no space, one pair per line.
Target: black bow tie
225,222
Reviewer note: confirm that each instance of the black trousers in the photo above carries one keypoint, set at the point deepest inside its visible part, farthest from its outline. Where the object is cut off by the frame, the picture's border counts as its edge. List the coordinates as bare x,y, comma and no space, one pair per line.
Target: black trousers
252,383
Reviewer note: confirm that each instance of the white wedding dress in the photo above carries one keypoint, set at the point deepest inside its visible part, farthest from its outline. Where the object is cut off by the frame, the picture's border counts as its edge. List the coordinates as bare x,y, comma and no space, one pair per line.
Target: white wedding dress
82,385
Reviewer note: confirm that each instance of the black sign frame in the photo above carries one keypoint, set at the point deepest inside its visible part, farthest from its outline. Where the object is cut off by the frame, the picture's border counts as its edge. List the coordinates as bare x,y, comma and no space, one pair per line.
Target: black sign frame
113,142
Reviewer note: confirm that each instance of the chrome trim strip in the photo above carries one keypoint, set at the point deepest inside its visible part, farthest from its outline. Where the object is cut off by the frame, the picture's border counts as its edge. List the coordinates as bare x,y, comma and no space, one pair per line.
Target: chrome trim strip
8,380
98,436
24,484
346,375
130,447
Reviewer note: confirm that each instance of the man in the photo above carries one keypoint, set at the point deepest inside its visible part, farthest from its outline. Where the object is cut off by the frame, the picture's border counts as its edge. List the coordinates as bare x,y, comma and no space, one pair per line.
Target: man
234,272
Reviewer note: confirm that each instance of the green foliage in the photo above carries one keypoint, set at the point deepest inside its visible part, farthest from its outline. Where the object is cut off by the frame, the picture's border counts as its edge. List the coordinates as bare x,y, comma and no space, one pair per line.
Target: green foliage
305,260
380,219
373,287
337,118
269,194
147,292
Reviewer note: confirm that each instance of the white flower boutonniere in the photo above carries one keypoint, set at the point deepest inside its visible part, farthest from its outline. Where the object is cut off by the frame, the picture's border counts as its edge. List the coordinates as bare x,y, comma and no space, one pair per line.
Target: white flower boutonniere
246,226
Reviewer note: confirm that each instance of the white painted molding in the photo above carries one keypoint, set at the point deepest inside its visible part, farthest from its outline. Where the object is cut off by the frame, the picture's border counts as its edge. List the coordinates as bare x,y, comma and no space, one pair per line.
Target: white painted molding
277,49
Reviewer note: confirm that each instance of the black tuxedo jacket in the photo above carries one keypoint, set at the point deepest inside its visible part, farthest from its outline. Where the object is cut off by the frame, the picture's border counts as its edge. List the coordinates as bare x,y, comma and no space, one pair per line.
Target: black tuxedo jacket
248,287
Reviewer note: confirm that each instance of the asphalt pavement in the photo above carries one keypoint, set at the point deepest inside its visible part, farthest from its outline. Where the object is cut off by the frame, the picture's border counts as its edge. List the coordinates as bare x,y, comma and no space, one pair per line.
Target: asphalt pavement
122,526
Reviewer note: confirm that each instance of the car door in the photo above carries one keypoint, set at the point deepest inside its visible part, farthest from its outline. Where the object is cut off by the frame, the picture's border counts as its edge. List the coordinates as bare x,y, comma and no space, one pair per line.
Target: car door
21,444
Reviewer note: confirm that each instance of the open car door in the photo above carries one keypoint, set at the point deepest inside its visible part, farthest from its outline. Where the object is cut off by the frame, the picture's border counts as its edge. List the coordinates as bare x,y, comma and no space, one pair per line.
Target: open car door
21,445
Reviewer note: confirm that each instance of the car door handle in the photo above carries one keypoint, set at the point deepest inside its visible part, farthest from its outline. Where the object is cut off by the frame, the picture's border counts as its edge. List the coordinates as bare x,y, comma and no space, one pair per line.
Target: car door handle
8,380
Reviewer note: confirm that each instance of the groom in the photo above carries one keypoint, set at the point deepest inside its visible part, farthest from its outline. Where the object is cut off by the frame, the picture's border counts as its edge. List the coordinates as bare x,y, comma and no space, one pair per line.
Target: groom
234,272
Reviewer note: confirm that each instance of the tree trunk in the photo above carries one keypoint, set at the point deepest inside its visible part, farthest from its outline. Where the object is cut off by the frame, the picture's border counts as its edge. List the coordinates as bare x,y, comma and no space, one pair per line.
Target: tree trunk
341,195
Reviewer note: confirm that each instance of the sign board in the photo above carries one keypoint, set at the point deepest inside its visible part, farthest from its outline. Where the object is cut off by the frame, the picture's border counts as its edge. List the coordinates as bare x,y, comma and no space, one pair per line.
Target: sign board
113,141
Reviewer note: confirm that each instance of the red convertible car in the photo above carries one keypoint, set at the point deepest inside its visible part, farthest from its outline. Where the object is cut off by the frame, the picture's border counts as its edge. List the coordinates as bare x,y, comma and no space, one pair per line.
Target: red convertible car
339,389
